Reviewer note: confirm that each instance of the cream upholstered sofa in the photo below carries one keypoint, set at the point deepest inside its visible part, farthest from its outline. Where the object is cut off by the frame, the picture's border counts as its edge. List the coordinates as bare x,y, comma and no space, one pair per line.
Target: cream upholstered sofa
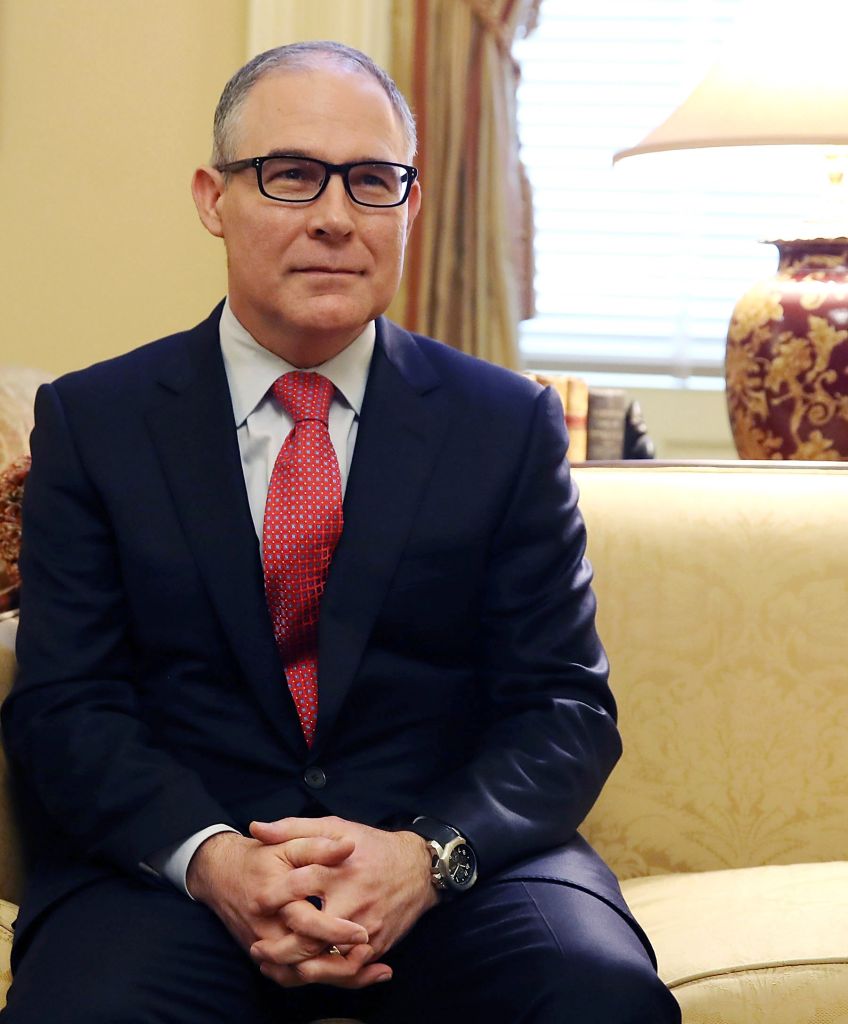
723,602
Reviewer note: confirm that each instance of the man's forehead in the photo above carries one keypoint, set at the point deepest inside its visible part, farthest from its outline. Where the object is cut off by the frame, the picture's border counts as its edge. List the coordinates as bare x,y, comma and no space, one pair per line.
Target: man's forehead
301,90
328,105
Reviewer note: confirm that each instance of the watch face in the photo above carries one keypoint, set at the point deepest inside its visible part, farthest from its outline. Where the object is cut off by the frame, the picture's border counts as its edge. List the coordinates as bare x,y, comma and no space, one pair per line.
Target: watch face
462,866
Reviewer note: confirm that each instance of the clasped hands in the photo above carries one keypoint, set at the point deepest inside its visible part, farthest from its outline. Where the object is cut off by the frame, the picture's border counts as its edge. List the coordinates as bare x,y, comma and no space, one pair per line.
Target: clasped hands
373,886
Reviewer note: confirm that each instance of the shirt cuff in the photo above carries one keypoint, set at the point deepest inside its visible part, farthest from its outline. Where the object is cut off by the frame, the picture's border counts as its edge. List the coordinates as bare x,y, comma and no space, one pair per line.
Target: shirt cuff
172,861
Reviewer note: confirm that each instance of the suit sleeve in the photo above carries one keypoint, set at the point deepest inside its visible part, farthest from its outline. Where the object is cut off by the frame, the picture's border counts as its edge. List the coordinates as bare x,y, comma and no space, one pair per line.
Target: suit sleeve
550,738
73,725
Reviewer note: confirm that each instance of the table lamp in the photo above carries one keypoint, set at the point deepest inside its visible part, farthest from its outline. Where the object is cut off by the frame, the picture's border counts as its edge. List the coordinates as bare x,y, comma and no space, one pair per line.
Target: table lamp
781,82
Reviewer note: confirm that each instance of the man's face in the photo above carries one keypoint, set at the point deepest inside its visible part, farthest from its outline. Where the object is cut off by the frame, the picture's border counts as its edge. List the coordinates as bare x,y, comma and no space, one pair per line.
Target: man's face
304,279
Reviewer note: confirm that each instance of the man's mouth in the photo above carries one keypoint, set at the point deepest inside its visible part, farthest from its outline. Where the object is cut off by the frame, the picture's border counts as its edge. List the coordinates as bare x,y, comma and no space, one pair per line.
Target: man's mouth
326,270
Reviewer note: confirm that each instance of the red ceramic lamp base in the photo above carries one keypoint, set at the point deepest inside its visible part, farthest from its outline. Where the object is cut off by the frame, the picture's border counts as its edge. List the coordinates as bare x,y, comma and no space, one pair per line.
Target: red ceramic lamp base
787,357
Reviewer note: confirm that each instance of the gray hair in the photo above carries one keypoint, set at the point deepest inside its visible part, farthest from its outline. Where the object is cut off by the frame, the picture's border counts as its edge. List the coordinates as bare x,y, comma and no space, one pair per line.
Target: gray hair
307,56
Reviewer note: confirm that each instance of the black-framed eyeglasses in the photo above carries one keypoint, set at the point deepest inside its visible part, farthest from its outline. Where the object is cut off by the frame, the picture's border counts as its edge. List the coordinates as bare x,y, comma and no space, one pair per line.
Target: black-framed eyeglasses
300,179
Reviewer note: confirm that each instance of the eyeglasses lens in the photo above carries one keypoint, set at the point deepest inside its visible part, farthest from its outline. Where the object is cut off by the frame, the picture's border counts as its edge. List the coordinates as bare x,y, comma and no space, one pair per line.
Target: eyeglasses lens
292,179
297,179
377,184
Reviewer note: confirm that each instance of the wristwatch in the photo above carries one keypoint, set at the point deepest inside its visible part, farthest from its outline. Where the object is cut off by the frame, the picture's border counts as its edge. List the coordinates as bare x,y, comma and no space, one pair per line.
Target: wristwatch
453,867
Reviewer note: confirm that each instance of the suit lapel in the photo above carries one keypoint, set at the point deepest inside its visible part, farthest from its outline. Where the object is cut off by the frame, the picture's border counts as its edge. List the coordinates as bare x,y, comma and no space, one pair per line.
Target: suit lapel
192,427
403,423
402,426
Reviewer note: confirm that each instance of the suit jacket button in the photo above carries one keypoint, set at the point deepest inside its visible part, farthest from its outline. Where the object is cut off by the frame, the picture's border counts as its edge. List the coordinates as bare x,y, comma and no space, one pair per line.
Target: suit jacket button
315,778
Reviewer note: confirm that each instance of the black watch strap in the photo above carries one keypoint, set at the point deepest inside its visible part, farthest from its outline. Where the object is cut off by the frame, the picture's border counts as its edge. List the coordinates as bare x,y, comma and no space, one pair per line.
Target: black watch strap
430,828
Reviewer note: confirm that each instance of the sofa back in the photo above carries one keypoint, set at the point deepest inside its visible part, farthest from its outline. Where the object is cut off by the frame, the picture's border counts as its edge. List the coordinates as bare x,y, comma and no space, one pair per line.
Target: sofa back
723,605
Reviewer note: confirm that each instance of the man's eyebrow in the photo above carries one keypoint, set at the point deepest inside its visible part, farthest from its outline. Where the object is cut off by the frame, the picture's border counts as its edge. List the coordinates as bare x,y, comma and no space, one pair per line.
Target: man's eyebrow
311,156
290,152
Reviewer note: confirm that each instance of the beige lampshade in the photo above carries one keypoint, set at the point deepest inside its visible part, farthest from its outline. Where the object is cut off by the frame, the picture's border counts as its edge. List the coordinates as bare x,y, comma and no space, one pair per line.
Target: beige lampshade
781,80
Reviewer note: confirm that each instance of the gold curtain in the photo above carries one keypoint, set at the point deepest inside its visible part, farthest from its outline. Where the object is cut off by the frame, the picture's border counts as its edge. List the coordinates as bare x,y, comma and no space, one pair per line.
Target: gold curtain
469,278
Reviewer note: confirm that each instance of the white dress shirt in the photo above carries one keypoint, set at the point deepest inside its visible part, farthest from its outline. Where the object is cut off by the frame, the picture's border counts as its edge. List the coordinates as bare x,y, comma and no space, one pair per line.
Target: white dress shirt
262,426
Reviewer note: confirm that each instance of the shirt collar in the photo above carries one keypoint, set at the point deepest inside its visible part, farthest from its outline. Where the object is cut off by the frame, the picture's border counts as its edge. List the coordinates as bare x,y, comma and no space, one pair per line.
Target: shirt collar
252,369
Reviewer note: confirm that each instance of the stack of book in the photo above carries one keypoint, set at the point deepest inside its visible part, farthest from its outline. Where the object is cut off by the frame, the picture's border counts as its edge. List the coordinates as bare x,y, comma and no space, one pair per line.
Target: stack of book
595,417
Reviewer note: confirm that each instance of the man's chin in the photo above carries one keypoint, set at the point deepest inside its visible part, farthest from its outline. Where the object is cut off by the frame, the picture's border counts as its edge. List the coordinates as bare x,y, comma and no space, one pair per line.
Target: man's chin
332,314
317,332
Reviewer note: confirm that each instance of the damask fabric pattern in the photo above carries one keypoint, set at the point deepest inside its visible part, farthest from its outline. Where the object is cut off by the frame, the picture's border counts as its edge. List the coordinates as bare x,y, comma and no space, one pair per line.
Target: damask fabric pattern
302,526
764,944
796,994
722,596
18,385
8,913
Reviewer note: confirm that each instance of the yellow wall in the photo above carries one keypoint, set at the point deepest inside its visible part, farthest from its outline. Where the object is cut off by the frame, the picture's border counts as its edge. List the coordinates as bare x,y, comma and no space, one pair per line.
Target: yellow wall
105,110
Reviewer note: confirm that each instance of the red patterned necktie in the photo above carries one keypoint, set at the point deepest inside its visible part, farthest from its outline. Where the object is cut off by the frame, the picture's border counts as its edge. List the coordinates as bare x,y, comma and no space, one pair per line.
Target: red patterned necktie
303,523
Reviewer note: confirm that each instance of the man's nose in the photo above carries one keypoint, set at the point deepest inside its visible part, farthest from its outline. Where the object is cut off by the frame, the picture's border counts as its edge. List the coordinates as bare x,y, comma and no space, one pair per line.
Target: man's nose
332,212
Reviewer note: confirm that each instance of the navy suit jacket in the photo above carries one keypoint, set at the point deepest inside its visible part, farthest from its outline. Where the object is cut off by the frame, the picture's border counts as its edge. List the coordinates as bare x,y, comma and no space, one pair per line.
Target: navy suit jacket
460,675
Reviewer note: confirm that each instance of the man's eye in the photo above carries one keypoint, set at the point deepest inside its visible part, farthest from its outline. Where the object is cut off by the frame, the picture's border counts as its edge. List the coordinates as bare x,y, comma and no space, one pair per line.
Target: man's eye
274,173
375,180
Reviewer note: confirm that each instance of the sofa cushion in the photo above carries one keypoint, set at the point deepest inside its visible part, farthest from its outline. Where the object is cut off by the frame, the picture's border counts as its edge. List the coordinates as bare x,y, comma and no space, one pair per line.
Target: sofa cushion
762,945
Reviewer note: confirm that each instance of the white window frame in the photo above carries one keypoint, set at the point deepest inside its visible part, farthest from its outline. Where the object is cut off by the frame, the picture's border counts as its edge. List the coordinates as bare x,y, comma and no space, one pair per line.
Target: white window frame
637,267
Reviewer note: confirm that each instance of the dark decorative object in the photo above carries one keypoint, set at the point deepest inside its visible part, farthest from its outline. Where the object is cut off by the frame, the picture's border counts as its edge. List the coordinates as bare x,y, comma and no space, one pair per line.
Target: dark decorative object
787,357
637,442
11,495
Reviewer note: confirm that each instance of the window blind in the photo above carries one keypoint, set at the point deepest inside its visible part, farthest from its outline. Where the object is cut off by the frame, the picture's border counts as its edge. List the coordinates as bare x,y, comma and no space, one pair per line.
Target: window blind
637,268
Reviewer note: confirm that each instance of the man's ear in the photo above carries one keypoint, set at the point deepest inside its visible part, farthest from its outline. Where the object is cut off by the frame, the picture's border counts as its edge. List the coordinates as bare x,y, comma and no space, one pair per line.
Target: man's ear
207,187
413,205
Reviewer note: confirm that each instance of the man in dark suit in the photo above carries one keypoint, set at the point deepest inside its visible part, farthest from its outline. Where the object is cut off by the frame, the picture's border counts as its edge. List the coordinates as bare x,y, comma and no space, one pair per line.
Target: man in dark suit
238,811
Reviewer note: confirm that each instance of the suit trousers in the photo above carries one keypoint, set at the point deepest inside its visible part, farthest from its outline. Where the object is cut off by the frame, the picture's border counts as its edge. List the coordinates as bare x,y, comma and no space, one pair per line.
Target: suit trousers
510,952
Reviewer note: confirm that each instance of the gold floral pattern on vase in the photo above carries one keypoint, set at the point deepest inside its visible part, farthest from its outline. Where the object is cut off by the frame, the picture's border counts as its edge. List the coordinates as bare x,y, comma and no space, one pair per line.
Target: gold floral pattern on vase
786,366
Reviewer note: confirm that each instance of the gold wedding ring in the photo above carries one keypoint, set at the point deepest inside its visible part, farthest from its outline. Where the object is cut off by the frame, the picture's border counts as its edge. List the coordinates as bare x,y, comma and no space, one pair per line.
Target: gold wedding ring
335,951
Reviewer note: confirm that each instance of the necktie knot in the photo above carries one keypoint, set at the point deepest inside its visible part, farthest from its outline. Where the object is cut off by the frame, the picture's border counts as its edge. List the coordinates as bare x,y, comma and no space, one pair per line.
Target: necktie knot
304,396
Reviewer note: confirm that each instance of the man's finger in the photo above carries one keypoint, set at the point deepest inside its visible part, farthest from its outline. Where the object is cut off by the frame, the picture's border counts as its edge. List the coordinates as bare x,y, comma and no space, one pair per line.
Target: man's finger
351,971
306,882
290,950
302,917
316,850
314,932
293,950
284,829
285,977
273,894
